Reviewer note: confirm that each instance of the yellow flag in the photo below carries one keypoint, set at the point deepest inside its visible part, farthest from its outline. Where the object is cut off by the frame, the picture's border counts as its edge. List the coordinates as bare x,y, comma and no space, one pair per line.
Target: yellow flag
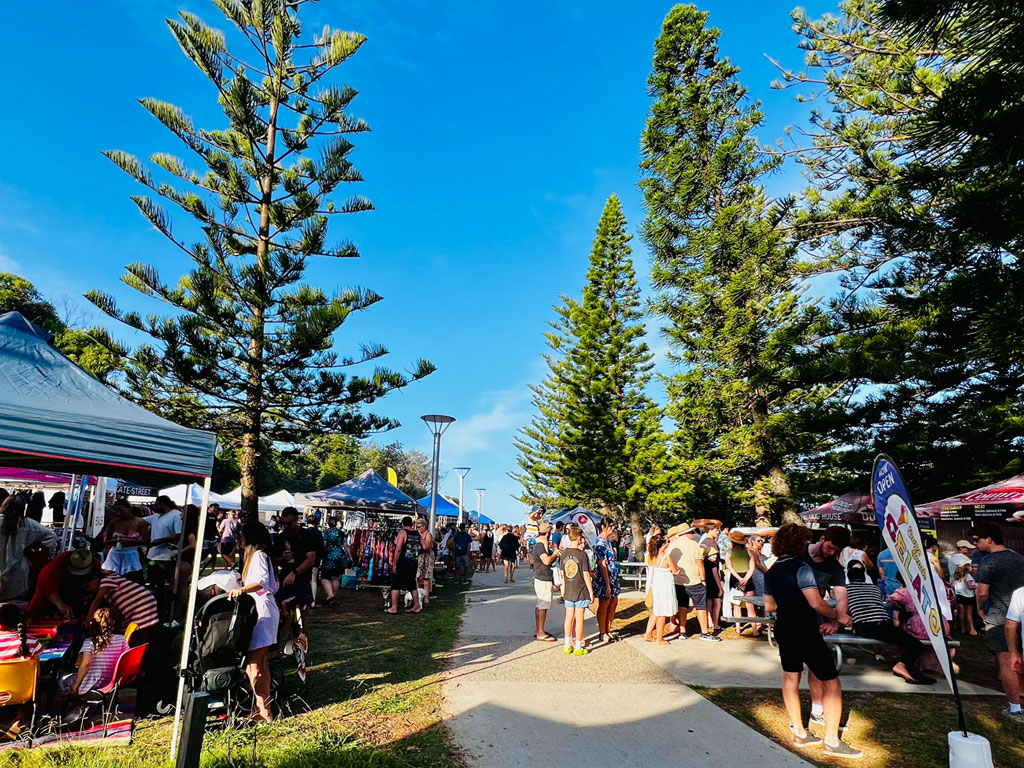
392,477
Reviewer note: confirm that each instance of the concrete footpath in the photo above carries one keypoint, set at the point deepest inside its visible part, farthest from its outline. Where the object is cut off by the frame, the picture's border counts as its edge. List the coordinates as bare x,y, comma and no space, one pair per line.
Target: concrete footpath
513,701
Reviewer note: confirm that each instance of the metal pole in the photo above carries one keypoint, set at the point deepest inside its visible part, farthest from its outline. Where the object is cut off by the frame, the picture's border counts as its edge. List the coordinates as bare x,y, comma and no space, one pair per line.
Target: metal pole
461,481
181,544
190,614
433,481
480,502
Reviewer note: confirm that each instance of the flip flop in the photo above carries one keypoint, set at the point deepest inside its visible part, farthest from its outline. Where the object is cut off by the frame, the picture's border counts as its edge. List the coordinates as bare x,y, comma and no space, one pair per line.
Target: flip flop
545,639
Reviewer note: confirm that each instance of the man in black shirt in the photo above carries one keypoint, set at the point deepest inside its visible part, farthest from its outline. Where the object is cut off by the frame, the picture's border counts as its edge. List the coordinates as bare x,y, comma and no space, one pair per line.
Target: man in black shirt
543,558
294,553
791,592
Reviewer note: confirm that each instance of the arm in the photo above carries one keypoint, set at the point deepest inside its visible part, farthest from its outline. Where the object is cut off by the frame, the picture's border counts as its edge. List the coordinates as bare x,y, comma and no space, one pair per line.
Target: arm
83,669
842,606
399,542
590,583
97,602
770,606
1012,630
603,567
548,559
48,539
145,531
981,595
817,602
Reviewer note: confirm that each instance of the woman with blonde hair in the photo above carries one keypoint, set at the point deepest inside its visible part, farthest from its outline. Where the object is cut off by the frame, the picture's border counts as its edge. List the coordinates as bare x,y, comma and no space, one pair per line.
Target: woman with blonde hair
663,589
259,582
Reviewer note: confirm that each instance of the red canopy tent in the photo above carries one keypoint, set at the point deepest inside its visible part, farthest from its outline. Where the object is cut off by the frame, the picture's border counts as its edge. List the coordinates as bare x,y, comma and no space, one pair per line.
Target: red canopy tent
1000,501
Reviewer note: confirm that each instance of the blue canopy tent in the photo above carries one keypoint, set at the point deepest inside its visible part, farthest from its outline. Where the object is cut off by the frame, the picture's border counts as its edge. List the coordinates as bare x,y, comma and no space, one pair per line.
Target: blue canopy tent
445,506
368,491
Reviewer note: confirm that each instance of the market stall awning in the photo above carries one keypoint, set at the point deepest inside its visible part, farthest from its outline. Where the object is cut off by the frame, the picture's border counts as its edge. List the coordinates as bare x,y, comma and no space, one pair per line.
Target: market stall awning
998,501
367,491
849,509
56,417
445,506
275,502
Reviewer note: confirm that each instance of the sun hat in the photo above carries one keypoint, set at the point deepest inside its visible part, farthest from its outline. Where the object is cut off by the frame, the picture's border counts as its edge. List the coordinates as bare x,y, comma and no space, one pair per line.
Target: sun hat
965,543
79,563
678,530
544,528
737,538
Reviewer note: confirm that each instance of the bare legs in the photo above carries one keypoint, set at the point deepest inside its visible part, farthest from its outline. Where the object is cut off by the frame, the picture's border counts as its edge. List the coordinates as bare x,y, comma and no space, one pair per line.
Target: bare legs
791,698
606,616
258,670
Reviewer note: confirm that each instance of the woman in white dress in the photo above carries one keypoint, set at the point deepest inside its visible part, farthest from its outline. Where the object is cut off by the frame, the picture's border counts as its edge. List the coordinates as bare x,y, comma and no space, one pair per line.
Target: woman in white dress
663,589
258,580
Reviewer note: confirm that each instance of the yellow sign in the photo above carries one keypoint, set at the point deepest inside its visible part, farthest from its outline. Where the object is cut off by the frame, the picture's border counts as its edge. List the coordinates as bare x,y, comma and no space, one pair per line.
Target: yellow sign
392,477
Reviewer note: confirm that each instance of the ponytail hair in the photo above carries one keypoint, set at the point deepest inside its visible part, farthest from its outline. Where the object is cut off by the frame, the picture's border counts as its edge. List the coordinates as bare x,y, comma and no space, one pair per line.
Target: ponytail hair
13,511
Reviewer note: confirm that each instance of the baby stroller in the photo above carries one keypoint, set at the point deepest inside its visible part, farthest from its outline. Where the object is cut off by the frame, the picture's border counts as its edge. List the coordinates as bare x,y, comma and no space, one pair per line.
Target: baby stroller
221,635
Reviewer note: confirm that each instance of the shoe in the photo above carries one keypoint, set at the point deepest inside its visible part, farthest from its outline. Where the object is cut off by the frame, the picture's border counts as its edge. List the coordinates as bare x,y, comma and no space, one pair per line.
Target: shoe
580,652
289,648
842,749
74,714
818,719
1017,717
567,650
707,637
807,740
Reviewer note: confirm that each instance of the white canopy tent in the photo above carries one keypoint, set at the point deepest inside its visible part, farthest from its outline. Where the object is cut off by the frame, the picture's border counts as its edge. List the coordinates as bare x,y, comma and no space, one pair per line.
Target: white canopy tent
271,504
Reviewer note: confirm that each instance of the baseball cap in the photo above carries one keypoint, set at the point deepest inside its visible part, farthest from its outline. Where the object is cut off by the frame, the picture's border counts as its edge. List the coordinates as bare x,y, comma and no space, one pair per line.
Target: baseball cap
965,543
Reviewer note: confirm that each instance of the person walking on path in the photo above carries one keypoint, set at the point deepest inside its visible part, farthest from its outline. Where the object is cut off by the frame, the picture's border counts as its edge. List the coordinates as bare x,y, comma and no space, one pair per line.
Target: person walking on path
606,580
426,560
509,546
404,563
486,550
544,558
577,589
791,591
999,575
462,542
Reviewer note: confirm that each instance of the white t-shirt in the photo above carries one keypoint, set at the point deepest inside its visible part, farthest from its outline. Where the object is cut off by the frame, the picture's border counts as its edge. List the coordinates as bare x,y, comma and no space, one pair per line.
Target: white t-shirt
849,553
955,561
1015,611
964,587
167,524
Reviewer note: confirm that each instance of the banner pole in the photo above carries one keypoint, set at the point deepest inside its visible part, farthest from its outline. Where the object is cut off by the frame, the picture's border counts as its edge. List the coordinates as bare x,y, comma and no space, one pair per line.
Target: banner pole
186,643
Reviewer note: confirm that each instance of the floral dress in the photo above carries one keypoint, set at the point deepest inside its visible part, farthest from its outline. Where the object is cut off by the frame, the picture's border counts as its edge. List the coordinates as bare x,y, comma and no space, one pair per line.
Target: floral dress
603,550
335,557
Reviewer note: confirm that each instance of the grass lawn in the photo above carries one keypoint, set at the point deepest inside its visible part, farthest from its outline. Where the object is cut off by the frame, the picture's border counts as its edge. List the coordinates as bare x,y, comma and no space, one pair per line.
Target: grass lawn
373,690
893,729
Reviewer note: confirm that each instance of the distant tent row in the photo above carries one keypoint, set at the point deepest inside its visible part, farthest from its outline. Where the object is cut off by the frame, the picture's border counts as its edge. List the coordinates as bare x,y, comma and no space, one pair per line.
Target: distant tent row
367,491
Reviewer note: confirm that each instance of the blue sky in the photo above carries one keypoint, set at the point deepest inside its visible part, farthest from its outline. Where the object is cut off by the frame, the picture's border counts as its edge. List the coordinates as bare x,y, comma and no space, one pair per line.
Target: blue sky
498,131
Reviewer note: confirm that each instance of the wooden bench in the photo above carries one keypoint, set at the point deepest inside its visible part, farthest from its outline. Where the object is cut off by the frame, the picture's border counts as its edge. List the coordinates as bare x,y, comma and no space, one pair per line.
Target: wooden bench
839,639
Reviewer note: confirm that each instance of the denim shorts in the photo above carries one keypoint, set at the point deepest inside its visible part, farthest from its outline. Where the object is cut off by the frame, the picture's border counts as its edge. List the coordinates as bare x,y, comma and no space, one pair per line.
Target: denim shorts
577,603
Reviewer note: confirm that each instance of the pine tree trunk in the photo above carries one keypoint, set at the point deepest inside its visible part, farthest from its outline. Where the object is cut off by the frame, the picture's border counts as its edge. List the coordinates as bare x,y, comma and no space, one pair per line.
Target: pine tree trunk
781,490
636,526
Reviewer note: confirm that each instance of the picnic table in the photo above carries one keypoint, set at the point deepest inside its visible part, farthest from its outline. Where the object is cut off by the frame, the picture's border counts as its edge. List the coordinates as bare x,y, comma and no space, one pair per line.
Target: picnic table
837,640
635,571
767,621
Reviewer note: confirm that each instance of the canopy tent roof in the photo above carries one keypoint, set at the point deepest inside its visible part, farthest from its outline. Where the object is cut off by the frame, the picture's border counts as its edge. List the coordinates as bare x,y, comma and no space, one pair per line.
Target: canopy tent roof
445,506
849,509
275,502
568,515
177,494
14,476
998,501
366,491
56,417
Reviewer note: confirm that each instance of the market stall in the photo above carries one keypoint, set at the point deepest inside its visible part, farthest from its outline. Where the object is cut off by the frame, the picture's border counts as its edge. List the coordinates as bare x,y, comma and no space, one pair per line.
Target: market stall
1001,503
55,417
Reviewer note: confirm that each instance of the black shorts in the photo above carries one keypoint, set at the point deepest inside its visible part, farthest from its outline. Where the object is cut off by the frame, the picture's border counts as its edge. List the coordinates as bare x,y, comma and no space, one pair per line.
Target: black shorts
961,600
227,546
712,590
808,649
692,594
404,577
301,593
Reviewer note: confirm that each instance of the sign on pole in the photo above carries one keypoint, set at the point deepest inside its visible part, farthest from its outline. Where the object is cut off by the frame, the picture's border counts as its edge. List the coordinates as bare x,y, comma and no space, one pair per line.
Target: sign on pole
900,531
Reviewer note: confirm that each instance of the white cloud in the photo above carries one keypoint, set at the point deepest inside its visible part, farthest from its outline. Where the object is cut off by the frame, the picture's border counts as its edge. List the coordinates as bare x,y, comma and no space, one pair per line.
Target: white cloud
491,429
7,264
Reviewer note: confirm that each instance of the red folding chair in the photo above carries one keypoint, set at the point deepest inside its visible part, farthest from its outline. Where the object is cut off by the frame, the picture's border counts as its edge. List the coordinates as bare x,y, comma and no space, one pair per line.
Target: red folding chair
127,671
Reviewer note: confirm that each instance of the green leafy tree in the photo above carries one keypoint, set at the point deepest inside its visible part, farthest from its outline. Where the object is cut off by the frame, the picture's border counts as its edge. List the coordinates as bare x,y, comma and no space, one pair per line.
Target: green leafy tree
723,267
247,339
596,439
19,295
908,205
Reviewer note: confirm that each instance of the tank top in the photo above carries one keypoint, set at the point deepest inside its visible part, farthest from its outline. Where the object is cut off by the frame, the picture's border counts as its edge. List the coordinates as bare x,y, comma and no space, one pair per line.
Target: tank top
411,548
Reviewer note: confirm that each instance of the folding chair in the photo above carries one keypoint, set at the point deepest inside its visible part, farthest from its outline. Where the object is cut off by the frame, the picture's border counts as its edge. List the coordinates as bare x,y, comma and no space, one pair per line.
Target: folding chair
18,681
127,671
130,630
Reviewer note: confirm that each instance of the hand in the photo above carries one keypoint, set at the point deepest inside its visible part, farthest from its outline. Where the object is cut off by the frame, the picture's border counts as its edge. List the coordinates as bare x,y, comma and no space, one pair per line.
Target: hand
65,611
289,579
829,627
846,621
234,594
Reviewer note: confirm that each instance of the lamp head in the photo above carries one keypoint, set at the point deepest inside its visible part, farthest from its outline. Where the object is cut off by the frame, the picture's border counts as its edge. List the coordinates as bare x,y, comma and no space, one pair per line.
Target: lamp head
437,423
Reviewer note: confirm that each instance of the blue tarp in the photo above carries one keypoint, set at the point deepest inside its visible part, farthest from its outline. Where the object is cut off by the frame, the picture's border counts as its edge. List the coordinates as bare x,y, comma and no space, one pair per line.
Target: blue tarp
56,417
366,491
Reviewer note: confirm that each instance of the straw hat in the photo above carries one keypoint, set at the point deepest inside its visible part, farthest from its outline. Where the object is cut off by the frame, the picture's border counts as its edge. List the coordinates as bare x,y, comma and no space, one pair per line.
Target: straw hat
737,538
678,530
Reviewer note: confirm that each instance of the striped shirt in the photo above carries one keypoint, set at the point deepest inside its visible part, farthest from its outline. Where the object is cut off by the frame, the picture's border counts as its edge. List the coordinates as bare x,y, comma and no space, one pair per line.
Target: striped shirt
10,645
865,603
133,602
101,671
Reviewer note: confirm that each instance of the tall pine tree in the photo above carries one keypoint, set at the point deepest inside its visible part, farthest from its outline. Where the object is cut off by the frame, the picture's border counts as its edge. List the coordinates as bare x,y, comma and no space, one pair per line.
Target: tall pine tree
724,271
247,339
596,440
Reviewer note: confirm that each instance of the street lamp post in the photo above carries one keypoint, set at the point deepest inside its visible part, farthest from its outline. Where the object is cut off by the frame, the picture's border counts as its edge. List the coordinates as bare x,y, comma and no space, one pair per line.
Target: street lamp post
462,472
437,424
480,503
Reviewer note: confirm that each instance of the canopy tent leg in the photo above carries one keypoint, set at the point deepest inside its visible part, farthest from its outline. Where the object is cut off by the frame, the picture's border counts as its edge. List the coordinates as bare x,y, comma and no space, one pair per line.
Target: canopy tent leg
186,643
181,544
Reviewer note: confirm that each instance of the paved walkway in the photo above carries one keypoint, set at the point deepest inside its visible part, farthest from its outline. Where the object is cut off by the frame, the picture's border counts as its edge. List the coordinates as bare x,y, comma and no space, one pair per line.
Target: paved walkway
513,701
